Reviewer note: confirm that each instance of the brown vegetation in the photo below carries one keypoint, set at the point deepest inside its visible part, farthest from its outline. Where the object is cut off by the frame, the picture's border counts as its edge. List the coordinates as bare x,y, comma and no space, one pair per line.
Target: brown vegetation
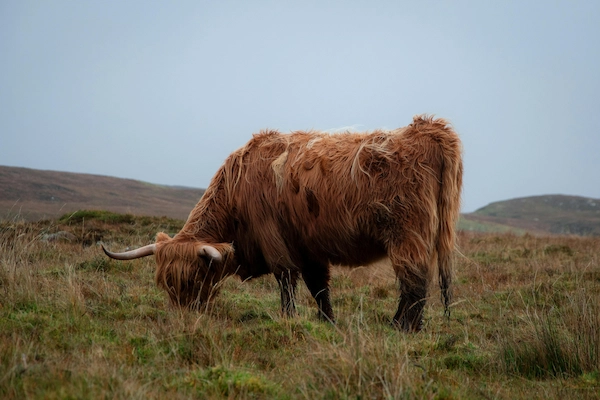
525,324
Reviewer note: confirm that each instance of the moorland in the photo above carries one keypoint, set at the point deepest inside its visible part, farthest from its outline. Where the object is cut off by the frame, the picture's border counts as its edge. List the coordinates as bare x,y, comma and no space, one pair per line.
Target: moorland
525,323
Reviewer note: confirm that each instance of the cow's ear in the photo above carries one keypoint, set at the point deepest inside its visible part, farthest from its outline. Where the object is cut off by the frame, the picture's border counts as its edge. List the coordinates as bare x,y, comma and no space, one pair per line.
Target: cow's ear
162,237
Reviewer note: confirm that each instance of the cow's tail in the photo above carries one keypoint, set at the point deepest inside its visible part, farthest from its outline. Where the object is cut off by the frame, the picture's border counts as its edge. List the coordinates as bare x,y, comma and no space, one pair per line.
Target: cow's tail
448,205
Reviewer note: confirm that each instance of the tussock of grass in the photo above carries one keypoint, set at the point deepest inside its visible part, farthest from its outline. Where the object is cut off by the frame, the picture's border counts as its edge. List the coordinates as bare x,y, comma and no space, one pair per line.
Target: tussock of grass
525,322
561,340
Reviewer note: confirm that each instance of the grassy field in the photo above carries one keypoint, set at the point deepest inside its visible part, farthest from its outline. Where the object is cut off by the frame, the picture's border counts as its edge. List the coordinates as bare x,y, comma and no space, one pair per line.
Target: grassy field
525,324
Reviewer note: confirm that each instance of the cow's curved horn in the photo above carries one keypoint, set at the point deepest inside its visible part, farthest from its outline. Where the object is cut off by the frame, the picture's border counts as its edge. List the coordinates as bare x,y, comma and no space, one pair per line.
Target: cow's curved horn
211,252
132,254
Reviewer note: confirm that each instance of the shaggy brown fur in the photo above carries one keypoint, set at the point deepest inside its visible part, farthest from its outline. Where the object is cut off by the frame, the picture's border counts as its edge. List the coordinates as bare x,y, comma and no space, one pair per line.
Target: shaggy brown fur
293,204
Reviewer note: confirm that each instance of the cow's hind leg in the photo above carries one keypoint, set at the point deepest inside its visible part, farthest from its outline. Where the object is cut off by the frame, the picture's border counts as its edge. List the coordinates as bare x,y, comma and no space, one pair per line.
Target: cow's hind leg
413,273
316,276
287,285
413,294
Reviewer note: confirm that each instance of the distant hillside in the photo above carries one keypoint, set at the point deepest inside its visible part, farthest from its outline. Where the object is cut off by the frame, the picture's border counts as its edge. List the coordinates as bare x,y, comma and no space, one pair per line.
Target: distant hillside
34,194
550,214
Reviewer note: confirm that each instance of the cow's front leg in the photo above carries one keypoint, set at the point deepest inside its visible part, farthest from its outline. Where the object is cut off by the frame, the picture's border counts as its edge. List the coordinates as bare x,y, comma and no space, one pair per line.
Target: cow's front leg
287,285
317,282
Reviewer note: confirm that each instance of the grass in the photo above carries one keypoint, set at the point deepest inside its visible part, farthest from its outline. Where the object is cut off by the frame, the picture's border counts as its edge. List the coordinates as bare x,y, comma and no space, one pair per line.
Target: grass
466,223
525,324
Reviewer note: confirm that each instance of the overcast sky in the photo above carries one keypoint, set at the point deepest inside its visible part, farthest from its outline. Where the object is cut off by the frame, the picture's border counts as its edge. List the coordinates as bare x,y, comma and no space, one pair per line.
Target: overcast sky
163,91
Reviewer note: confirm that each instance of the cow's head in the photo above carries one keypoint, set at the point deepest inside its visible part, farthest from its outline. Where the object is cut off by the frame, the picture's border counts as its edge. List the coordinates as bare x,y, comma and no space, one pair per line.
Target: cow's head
189,270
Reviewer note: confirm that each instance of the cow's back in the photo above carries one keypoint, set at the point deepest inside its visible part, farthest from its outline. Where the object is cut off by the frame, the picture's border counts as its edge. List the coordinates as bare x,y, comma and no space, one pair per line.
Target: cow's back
333,196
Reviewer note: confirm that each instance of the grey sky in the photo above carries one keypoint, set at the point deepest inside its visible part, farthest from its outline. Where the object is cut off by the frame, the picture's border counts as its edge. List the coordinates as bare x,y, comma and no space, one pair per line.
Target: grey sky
163,91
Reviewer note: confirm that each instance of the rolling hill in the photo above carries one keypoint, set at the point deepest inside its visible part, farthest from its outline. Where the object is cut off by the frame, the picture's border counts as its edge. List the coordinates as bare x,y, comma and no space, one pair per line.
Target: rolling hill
549,214
34,194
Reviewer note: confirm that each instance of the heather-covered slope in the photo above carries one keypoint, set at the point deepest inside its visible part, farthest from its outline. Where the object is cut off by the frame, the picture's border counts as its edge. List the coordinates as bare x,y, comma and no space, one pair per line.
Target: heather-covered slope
34,194
550,214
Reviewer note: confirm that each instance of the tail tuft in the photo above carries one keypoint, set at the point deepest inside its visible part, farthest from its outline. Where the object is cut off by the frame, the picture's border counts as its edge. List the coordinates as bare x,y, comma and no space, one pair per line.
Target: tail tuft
448,210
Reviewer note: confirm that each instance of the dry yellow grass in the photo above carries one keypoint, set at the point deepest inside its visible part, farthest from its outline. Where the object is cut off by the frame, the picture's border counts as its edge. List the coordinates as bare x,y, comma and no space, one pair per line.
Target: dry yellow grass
525,324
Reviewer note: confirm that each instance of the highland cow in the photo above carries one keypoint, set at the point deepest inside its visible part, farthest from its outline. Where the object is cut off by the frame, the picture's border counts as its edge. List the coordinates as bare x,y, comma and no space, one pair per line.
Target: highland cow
293,204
